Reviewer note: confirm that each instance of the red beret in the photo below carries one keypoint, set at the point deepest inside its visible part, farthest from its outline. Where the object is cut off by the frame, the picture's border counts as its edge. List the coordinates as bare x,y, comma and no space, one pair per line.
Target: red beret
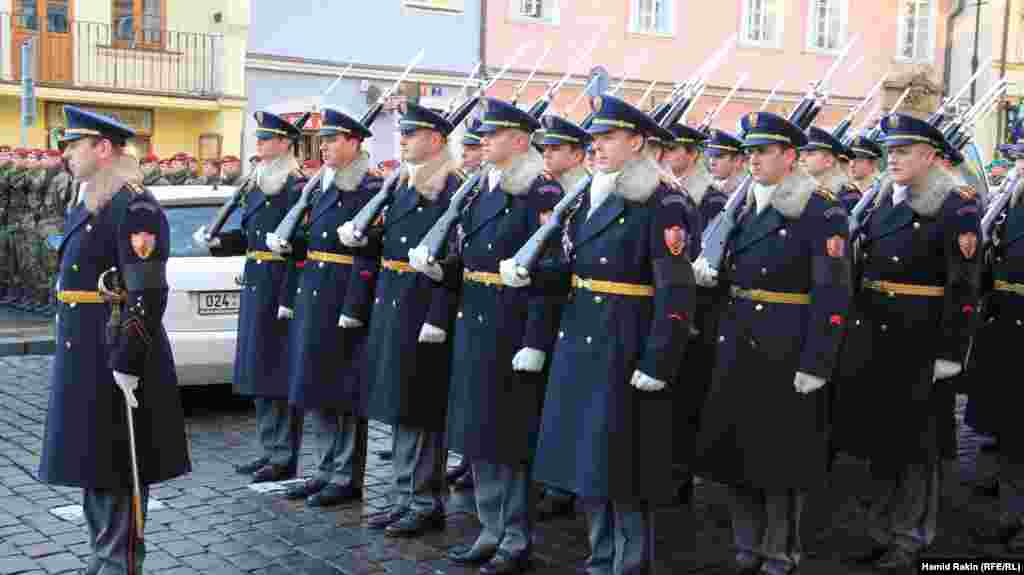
230,158
150,159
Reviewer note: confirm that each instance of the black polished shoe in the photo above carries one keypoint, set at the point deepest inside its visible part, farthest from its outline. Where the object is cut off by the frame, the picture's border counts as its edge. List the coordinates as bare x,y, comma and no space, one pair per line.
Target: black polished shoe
865,559
271,472
684,494
416,523
471,554
334,494
458,471
303,491
252,466
383,520
505,563
555,504
986,488
998,533
896,560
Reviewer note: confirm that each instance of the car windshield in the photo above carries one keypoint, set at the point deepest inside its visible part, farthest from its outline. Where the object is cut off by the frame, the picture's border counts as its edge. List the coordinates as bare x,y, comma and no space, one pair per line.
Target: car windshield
185,220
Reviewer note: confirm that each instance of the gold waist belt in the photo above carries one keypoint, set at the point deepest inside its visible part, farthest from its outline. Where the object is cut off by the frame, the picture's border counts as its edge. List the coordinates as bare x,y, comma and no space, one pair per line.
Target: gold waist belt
1013,288
72,296
616,288
264,256
329,257
894,288
397,266
771,296
486,278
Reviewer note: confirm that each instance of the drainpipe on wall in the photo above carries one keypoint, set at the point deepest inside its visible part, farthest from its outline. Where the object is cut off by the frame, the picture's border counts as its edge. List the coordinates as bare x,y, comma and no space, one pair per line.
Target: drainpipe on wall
1002,59
947,61
483,40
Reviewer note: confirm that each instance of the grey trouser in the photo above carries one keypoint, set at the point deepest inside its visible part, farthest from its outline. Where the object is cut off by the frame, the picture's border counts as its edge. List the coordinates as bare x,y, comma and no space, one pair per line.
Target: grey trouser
766,528
340,447
418,463
621,538
108,513
503,506
905,513
280,428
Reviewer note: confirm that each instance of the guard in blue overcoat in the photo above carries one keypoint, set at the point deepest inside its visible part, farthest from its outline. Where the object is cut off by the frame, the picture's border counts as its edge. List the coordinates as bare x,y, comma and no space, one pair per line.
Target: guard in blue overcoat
908,332
261,356
993,402
409,348
494,409
826,160
621,338
867,155
332,311
116,225
763,426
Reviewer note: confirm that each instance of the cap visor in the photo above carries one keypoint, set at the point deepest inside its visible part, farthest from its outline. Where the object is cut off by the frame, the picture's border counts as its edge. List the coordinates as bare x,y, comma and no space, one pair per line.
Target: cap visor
265,135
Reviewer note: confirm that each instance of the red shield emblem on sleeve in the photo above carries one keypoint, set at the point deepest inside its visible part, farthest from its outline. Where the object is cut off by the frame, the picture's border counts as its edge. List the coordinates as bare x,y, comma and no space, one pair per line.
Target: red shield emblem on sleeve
675,240
143,244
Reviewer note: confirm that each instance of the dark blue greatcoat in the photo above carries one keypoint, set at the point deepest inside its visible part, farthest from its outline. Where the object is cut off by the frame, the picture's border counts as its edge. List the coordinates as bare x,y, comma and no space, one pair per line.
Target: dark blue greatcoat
86,437
756,430
408,380
261,356
894,339
327,360
493,411
993,405
596,433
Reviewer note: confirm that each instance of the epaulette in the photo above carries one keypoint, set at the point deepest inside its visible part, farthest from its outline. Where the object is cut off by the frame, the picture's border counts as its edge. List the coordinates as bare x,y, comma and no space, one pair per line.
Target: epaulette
967,192
136,187
823,192
460,174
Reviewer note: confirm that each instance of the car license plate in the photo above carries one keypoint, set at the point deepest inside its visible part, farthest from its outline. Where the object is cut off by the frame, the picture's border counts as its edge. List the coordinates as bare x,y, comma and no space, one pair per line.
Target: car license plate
219,302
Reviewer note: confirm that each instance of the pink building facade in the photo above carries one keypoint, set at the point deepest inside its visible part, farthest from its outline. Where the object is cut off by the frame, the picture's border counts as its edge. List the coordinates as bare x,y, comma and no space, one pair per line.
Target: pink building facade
789,41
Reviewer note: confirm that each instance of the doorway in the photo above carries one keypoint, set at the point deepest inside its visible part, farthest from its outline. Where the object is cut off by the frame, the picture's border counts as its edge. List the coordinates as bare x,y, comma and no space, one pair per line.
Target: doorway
49,22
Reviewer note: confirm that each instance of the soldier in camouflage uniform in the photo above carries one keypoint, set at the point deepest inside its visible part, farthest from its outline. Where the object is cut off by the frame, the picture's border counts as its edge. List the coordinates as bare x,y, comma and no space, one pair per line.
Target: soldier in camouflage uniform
6,267
177,174
151,173
16,208
49,193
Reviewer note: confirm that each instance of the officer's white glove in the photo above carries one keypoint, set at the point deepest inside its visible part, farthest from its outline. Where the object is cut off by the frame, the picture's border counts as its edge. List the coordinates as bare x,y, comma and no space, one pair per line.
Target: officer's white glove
128,385
945,369
644,382
285,312
704,274
432,334
510,274
529,359
277,244
199,237
806,383
349,322
346,233
418,260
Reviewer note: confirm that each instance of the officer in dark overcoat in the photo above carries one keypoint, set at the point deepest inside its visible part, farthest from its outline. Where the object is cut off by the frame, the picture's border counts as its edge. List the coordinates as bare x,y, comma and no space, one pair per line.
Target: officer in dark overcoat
409,349
867,155
261,355
993,404
116,225
763,428
630,290
825,157
562,144
494,404
908,332
332,303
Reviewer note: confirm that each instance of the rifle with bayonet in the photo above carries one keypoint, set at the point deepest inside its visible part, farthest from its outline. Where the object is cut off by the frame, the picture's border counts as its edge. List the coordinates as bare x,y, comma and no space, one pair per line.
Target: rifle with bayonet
286,228
540,107
720,230
840,131
709,118
522,85
529,254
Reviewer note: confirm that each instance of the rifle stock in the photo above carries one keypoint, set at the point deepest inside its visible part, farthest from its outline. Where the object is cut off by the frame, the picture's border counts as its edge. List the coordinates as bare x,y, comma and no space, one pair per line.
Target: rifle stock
436,238
529,254
225,211
286,227
371,209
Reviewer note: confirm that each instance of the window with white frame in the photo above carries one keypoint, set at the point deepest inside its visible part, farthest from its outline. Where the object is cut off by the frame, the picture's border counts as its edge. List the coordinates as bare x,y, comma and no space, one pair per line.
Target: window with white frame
826,25
450,6
762,23
652,17
917,30
530,8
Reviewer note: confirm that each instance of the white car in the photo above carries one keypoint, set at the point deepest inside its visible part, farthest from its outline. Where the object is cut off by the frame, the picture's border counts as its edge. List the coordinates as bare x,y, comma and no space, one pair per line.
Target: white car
202,307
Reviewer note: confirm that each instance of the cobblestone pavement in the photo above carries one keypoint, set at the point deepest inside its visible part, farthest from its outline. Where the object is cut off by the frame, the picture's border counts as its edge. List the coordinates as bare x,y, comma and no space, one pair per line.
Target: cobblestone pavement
211,522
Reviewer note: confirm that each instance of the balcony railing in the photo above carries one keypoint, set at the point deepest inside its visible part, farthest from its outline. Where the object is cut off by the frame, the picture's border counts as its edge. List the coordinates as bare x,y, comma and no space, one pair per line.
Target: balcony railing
94,55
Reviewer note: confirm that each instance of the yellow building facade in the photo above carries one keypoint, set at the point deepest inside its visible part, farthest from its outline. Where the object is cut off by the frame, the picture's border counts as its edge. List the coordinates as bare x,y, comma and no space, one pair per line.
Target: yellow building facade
173,70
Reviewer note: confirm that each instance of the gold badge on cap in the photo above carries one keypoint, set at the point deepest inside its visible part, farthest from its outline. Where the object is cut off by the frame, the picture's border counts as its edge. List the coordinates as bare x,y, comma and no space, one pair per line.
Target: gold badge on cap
596,103
485,106
752,119
894,122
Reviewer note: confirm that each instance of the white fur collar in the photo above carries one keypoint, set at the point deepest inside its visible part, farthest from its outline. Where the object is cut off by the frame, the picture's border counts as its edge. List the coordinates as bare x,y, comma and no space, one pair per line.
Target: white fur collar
102,186
431,177
833,180
927,197
793,193
274,173
697,183
519,176
639,179
571,178
1017,190
347,179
